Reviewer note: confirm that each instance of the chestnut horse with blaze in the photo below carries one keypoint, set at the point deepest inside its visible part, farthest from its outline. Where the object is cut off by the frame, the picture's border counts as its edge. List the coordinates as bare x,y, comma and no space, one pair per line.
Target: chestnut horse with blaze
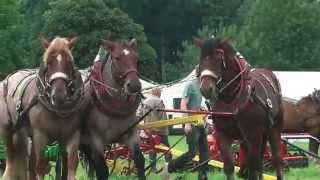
44,105
254,95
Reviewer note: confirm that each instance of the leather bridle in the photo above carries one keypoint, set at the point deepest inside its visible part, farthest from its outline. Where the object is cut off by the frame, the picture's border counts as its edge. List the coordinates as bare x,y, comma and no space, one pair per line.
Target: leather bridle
122,76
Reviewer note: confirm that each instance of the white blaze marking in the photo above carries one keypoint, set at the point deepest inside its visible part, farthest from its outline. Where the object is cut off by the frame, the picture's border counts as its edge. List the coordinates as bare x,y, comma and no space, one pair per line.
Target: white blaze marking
59,58
126,51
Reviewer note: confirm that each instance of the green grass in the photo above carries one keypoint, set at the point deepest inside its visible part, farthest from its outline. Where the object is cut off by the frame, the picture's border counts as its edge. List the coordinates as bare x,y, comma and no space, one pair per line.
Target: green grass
310,173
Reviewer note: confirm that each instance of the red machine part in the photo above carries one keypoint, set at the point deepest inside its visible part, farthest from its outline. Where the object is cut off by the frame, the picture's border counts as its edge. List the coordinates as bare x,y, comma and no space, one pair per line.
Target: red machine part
147,145
239,155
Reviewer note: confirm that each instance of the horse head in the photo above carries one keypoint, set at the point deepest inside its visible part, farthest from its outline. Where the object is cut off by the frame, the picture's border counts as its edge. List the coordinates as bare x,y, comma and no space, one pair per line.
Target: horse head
216,65
59,67
124,65
310,103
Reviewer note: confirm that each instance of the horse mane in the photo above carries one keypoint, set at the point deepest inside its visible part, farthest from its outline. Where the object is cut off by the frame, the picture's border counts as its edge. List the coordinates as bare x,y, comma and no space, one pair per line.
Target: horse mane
57,45
215,43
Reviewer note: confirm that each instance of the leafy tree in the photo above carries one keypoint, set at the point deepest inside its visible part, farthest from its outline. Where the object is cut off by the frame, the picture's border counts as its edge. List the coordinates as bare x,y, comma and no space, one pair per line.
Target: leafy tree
282,35
92,21
168,23
11,30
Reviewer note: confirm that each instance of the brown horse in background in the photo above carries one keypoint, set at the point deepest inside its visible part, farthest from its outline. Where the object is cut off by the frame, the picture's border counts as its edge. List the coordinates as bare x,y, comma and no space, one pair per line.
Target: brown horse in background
44,105
114,92
303,116
254,95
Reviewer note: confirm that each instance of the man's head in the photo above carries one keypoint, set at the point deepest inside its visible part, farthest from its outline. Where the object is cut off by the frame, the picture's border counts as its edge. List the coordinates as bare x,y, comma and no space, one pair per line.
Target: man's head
156,91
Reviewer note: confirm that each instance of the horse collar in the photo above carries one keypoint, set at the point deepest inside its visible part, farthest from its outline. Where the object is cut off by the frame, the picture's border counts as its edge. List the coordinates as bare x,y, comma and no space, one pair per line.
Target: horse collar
241,93
77,98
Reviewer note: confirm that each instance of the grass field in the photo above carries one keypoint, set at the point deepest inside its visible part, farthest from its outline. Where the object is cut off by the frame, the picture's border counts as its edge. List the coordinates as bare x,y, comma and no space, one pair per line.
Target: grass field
310,173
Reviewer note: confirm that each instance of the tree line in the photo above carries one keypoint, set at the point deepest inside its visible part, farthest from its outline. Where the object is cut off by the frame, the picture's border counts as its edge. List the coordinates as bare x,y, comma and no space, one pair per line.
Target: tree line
282,35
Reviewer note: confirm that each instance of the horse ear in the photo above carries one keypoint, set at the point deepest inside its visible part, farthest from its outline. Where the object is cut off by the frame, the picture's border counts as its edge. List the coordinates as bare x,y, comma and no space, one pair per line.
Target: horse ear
108,45
72,42
133,43
44,42
197,41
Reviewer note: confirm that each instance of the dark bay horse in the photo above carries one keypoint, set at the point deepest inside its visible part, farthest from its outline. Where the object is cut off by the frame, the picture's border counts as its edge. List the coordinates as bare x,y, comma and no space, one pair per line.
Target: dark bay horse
114,90
254,95
303,116
44,105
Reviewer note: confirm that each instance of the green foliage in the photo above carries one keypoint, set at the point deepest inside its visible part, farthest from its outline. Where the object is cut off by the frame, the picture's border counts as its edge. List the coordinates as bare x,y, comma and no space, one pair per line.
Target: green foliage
11,29
92,21
282,35
167,24
189,55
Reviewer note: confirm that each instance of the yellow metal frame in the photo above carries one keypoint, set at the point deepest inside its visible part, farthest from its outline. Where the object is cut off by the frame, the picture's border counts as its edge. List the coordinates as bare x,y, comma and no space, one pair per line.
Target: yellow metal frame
196,119
213,163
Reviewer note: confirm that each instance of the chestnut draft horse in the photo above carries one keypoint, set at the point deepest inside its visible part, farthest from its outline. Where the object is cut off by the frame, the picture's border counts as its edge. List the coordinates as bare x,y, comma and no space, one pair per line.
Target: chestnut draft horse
254,95
114,89
303,116
42,104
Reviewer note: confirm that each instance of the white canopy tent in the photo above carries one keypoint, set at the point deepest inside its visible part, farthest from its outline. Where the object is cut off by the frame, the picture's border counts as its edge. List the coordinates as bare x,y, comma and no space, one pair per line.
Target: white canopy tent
294,84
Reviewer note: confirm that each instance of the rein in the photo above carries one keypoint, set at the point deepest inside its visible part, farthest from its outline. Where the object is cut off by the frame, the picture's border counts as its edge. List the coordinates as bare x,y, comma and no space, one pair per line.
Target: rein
232,80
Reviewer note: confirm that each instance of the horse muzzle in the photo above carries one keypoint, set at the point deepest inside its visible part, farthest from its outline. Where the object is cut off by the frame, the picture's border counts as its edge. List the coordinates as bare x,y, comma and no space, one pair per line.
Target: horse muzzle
132,86
59,92
208,81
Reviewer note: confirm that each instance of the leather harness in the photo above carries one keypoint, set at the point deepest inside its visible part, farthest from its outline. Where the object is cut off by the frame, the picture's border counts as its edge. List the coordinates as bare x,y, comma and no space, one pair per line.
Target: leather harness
108,100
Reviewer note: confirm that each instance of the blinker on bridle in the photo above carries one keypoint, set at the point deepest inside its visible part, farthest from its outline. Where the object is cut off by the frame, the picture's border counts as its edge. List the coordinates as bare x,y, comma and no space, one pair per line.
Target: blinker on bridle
209,73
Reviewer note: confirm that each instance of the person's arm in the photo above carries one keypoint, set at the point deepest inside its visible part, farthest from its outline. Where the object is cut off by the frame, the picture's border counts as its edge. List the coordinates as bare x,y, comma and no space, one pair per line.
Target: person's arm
163,114
184,103
184,106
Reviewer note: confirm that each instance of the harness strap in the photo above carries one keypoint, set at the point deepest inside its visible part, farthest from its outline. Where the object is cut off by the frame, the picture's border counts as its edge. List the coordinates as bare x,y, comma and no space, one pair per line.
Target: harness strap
19,106
21,80
22,119
260,101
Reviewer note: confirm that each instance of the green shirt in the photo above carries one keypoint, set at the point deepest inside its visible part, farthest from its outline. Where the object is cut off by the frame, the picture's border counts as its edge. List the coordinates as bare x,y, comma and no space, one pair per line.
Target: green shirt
192,92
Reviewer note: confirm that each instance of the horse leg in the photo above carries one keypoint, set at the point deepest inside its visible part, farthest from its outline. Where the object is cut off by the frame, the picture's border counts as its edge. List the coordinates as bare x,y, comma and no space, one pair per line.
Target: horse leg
224,144
93,153
32,164
73,160
263,148
253,154
17,156
275,143
138,158
40,141
9,170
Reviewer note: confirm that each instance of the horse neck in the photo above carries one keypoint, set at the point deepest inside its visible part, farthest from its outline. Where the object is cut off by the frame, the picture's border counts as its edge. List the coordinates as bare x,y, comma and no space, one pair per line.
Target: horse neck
231,71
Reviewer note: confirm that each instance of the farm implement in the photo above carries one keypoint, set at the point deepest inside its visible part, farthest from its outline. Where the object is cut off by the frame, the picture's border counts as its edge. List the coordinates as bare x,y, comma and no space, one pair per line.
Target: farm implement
292,156
149,142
